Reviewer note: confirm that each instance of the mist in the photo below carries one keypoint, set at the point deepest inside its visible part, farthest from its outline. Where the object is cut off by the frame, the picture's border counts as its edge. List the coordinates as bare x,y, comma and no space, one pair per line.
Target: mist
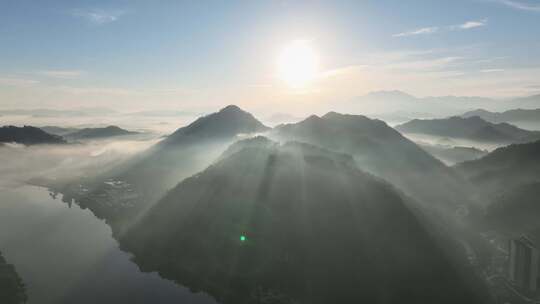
270,152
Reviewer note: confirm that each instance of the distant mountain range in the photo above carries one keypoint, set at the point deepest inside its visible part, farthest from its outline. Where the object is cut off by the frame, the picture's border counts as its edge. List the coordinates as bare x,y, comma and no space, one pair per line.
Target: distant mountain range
516,115
472,128
60,131
73,134
95,133
28,136
397,105
294,223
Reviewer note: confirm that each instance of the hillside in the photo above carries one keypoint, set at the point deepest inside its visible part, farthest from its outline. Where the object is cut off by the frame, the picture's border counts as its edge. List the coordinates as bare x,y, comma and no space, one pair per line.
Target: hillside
294,223
510,178
381,150
504,168
60,131
130,187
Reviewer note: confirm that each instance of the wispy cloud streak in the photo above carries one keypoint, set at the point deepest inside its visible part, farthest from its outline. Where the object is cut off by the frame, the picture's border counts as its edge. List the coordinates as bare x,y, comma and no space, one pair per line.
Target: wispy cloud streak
420,31
521,5
469,25
436,29
98,16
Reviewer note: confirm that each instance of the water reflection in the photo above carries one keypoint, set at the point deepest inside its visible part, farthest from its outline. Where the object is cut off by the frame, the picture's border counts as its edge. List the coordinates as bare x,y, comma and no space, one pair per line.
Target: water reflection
66,255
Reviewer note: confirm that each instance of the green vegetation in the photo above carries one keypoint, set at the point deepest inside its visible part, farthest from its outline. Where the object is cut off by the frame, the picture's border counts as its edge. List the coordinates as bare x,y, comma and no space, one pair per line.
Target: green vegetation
12,289
321,231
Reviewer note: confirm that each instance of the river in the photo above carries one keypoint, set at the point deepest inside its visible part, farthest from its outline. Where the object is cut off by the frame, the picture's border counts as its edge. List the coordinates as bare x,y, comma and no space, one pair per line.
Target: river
67,255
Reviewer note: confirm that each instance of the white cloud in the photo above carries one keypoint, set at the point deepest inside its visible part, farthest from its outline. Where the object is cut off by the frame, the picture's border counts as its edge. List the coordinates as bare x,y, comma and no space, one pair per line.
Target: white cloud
421,31
470,24
520,5
98,16
435,29
62,74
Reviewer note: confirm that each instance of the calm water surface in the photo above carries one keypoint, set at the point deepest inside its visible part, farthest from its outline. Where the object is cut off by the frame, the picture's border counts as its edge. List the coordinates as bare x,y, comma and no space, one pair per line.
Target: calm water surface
66,255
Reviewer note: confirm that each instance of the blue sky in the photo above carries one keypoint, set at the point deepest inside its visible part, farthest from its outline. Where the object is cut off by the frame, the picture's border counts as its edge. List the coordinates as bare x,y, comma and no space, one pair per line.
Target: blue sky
198,54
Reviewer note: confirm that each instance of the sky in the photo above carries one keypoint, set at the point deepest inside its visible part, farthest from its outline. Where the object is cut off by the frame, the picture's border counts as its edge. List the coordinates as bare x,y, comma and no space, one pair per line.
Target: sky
133,55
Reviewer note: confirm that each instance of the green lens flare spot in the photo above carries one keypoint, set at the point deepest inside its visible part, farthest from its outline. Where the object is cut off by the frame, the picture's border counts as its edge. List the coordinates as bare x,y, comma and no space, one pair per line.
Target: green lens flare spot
243,238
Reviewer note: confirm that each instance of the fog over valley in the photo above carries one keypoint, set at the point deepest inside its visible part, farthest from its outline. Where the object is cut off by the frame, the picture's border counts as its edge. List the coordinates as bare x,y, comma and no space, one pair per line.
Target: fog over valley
270,152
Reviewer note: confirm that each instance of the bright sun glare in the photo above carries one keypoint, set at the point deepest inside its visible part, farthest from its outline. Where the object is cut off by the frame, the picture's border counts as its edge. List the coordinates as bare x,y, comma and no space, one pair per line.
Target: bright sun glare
298,64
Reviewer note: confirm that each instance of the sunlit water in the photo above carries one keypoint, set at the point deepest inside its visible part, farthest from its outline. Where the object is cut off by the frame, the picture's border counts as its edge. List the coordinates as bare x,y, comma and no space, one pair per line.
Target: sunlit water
66,255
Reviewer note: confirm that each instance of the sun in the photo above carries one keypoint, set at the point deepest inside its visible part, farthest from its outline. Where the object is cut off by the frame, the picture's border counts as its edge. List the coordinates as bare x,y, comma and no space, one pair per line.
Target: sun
298,64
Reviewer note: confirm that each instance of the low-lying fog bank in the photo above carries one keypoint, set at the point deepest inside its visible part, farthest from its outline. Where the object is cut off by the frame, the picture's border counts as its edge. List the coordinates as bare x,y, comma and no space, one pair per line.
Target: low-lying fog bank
19,163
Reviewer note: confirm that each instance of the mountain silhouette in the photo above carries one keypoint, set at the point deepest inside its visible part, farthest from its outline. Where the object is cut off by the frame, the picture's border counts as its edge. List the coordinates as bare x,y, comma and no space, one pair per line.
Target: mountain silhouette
381,150
472,128
190,149
127,189
60,131
504,168
294,223
228,122
510,178
95,133
28,135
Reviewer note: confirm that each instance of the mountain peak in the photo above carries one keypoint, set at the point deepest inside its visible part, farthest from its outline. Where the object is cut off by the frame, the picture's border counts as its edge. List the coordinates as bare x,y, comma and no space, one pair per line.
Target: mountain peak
227,122
231,108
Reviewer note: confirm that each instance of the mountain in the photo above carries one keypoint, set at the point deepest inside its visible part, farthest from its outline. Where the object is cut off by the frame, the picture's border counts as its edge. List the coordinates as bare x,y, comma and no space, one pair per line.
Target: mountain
381,150
129,188
294,223
28,135
516,115
60,131
394,102
400,104
228,122
191,148
97,133
472,128
12,289
504,168
510,178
